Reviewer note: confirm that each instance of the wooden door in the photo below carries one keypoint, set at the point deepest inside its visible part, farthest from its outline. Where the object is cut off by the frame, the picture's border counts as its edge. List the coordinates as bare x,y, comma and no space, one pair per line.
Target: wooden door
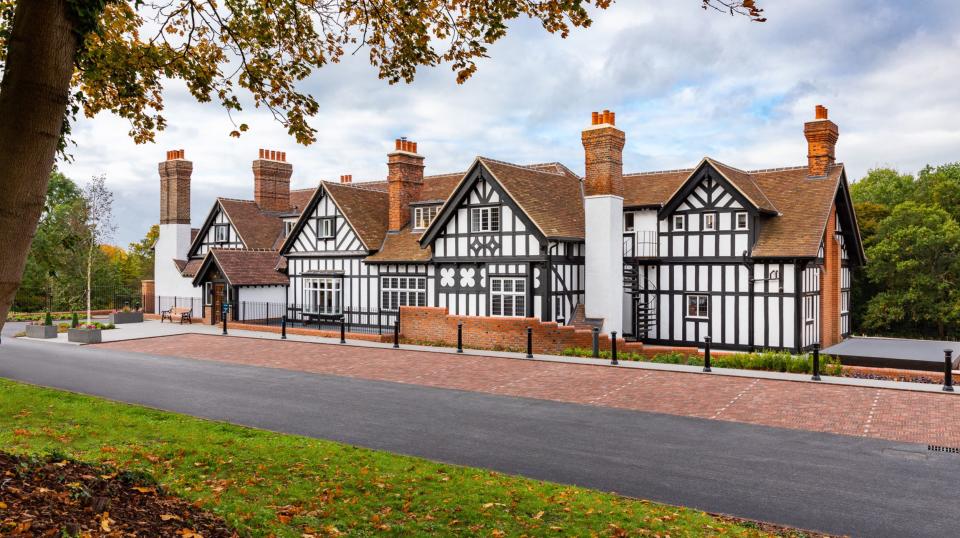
217,303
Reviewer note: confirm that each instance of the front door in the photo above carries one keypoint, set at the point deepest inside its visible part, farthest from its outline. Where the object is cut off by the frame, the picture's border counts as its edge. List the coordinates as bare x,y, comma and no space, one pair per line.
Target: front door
217,303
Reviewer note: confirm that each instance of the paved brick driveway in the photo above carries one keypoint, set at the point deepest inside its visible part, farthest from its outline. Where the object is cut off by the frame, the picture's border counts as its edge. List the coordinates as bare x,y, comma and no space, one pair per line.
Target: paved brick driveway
889,414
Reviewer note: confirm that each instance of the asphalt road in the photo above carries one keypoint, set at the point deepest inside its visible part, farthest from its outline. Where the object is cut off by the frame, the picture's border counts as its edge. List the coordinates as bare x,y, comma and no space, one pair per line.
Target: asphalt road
831,483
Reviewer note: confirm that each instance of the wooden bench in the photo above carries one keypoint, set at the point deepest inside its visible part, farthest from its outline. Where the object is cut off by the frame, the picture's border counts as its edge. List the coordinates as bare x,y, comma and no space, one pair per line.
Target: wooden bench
179,313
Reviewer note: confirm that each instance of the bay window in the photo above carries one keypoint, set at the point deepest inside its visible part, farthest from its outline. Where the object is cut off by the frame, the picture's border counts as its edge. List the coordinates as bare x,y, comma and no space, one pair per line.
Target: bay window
322,295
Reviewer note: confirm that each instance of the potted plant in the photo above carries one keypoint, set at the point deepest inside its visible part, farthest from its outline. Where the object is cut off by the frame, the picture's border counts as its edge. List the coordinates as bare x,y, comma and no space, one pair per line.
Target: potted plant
46,330
126,315
86,333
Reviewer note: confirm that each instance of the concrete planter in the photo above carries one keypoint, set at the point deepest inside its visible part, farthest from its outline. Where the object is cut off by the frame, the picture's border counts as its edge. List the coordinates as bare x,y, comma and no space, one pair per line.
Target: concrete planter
126,317
41,331
84,336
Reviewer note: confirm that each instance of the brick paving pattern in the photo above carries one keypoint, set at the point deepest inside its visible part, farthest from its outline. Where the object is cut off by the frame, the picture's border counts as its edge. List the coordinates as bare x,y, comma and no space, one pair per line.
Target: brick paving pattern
861,411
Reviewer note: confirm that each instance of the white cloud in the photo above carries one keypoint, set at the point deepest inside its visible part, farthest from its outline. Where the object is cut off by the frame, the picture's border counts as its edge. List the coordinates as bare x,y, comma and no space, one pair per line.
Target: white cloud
685,83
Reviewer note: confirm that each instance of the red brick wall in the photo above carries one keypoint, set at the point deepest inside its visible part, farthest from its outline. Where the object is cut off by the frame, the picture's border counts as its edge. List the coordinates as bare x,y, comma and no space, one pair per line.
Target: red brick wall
830,284
431,325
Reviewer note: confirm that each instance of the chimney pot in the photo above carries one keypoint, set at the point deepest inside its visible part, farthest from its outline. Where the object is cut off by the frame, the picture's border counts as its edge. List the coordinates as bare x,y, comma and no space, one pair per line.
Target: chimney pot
595,118
261,152
821,112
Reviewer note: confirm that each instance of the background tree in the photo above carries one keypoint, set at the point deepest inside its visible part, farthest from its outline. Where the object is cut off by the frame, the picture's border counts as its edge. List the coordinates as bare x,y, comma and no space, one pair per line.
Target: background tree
60,57
916,260
97,226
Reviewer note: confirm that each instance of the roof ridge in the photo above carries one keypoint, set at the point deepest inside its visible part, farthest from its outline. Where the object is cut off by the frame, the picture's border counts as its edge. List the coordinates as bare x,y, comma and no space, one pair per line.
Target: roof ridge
258,249
352,185
235,199
522,166
655,172
721,163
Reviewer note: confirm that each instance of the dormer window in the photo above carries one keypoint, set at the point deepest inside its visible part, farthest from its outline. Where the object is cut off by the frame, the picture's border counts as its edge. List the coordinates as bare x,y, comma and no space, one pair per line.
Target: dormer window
743,220
424,215
679,223
220,233
288,227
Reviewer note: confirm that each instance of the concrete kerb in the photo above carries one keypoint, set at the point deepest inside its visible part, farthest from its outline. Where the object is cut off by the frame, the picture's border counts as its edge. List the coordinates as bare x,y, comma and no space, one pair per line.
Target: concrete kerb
639,365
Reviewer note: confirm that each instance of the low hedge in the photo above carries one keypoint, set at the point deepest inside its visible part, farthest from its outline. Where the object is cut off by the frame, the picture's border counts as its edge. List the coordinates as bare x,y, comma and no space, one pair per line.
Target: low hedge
37,317
768,360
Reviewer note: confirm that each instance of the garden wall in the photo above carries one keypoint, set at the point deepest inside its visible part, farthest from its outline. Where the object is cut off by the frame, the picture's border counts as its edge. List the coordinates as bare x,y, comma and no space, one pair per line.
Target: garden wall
435,326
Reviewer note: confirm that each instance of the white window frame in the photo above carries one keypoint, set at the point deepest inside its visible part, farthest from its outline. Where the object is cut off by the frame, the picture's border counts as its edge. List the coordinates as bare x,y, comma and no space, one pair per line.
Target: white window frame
217,229
424,215
701,300
208,293
746,220
679,223
323,295
505,300
288,226
492,216
402,290
326,228
712,216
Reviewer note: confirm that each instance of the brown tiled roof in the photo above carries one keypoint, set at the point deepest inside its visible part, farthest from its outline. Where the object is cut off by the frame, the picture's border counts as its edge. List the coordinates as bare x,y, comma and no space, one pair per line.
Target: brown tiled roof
552,200
438,188
652,188
402,246
744,182
189,268
804,205
365,210
193,233
258,229
299,200
249,267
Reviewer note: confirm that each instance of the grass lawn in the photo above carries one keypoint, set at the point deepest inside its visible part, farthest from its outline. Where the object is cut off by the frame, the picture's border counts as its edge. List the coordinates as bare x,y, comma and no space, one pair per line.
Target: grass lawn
266,483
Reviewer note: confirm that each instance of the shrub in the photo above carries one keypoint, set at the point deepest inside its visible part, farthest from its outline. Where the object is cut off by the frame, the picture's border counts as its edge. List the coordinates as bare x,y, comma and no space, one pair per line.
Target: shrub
768,360
74,321
48,319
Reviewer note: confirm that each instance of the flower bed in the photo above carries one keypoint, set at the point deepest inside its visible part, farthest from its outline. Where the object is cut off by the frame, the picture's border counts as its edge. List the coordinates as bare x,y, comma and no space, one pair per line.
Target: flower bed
770,361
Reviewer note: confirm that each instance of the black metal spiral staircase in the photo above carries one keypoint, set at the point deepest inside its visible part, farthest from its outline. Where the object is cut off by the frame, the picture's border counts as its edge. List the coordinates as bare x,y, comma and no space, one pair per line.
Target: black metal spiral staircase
644,304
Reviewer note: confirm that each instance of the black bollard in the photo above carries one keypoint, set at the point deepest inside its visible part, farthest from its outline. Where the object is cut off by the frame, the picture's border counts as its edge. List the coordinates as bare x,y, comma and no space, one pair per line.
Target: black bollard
283,327
343,331
706,354
224,316
948,370
459,337
613,348
816,363
396,334
596,342
529,342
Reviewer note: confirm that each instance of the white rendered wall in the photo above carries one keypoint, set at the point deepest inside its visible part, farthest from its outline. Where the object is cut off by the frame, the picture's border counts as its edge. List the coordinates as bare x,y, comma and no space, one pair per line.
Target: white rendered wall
604,260
645,220
264,294
173,243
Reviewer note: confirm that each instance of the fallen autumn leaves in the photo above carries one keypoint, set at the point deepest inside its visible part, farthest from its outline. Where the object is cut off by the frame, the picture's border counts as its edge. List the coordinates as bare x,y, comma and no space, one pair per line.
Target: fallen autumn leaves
56,497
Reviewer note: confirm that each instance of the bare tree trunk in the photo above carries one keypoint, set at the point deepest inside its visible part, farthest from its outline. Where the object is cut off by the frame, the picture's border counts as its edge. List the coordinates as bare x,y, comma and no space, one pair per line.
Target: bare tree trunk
89,279
33,101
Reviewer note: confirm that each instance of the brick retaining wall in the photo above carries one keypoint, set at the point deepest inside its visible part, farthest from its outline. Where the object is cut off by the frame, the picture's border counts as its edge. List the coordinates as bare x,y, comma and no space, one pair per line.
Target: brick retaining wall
431,325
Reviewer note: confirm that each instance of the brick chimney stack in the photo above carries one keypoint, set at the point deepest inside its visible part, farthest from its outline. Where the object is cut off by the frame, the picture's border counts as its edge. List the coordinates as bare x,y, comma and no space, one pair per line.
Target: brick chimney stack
175,175
346,179
822,135
271,180
603,145
603,220
405,179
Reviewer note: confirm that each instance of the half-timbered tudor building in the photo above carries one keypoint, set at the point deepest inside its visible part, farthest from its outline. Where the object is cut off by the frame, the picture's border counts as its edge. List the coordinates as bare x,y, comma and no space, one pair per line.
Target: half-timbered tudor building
753,259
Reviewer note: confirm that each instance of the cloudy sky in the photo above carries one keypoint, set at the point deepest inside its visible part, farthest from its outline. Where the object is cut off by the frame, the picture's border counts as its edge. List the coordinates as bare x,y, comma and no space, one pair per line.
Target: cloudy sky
684,82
